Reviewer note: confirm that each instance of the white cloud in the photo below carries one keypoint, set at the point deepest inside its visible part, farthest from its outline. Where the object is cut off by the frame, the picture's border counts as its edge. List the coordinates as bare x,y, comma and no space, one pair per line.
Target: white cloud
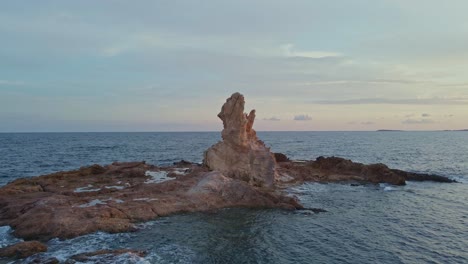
288,51
403,101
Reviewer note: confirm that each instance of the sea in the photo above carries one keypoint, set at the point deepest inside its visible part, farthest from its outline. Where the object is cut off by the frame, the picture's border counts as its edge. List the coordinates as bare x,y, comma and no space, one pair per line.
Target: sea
422,222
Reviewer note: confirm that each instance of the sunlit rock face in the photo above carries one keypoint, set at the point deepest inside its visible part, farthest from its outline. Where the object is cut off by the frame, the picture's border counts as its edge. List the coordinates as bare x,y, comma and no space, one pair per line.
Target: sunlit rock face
241,155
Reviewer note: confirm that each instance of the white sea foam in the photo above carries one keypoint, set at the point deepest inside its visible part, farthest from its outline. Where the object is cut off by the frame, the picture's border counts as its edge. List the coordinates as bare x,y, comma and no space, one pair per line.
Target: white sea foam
115,187
6,238
91,203
387,187
180,171
157,176
98,201
88,188
64,249
145,199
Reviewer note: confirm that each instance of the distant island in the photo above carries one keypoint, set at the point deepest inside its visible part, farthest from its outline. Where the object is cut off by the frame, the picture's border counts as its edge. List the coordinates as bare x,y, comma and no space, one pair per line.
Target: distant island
396,130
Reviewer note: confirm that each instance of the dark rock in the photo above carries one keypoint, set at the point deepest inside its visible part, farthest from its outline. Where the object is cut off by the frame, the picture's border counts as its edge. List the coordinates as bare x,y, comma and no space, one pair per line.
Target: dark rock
315,210
280,157
182,163
411,176
374,173
23,249
92,170
335,169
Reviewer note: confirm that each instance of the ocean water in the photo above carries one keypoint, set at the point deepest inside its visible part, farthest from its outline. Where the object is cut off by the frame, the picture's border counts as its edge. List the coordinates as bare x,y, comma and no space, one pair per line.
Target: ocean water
417,223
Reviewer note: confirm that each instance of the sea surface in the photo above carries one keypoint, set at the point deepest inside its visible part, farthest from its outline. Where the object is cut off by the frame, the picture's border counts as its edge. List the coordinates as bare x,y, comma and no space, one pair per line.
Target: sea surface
417,223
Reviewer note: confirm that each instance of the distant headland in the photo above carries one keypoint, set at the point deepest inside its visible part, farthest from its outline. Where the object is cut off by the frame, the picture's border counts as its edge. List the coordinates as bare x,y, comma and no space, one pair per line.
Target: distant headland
445,130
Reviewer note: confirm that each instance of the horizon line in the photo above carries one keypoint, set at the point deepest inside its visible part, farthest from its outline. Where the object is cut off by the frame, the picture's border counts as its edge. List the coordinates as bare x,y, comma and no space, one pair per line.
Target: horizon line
212,131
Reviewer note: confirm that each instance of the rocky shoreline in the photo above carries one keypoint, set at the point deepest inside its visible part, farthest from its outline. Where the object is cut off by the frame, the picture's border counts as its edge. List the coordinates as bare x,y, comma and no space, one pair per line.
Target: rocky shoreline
239,171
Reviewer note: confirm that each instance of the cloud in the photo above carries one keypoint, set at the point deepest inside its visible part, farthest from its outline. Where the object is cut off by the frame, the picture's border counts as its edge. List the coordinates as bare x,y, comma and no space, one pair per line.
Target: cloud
407,101
302,118
288,51
425,115
272,119
417,121
370,81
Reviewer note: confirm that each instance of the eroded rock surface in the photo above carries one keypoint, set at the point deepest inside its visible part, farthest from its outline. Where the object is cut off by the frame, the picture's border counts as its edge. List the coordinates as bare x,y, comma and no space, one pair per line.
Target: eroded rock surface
241,155
112,198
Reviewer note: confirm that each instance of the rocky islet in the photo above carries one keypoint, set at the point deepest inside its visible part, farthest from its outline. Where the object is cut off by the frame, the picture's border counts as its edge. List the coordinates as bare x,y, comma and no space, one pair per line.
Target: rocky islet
239,171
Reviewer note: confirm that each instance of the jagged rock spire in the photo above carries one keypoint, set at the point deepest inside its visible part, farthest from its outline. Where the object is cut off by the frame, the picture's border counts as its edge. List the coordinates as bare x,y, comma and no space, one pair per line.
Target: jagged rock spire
240,154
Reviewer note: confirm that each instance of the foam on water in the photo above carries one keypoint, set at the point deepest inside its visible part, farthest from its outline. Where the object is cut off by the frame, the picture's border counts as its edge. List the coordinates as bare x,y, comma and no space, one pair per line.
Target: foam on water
180,171
99,201
63,250
88,188
117,187
6,238
158,176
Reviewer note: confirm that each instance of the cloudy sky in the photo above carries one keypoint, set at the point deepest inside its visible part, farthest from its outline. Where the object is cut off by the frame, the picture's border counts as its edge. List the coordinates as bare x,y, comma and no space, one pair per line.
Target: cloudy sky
170,65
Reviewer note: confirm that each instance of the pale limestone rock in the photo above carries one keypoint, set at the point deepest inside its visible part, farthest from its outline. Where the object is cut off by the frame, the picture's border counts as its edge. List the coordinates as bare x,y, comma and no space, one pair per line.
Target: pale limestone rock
241,155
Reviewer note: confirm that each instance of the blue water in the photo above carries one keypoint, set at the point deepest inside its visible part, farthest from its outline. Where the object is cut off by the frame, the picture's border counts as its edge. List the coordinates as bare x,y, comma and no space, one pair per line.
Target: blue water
418,223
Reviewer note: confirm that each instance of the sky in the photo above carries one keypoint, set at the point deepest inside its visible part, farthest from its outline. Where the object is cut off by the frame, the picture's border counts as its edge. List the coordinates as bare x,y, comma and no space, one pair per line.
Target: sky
315,65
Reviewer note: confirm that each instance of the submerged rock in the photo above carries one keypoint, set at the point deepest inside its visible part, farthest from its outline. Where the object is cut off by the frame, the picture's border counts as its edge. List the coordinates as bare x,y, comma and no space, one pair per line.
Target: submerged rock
411,176
241,155
23,249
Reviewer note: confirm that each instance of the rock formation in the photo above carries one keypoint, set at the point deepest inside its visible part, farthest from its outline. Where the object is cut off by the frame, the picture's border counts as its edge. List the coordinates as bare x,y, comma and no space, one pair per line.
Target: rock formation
335,169
114,197
241,155
23,249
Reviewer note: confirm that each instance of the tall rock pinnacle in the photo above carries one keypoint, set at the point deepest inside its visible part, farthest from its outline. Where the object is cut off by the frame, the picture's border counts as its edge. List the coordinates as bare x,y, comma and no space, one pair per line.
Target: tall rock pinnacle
241,154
